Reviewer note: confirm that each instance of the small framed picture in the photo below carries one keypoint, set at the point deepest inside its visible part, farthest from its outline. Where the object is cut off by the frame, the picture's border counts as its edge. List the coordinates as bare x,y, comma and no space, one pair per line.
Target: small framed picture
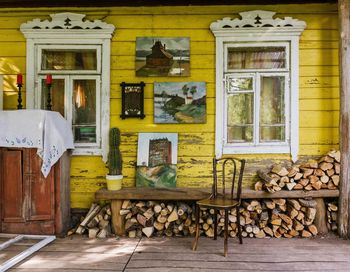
132,100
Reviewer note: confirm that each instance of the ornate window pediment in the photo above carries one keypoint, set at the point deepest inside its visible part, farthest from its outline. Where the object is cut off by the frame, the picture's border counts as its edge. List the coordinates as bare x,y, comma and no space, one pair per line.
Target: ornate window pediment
66,20
257,20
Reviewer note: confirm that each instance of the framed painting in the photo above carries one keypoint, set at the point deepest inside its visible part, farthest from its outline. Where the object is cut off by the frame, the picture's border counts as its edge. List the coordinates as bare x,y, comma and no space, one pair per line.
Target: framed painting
159,56
156,160
180,102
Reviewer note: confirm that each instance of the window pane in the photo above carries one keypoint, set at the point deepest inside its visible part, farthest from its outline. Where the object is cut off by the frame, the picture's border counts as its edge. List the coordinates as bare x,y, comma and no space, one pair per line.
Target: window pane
256,58
239,84
57,95
82,59
272,108
240,117
272,133
84,111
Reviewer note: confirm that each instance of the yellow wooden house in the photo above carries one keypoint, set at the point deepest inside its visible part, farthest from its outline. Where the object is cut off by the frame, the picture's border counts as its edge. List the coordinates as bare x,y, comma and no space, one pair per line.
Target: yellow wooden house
310,74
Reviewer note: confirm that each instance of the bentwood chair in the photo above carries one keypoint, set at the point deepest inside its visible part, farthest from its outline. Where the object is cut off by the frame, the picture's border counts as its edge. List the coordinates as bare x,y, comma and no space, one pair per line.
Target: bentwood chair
228,172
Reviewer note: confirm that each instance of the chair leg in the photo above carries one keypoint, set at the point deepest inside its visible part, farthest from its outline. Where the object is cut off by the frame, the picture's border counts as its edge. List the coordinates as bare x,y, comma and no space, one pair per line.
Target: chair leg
239,225
226,232
195,242
215,224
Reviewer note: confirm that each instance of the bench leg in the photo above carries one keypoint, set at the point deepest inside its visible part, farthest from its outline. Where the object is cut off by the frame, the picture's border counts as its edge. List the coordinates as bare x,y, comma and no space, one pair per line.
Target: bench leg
117,219
195,242
321,216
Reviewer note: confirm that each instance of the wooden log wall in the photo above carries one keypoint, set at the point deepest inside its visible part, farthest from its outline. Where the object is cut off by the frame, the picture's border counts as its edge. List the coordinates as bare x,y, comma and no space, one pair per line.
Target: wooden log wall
319,84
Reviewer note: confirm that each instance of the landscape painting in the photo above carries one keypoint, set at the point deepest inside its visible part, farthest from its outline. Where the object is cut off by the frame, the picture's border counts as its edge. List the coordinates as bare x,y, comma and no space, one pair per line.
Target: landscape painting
156,160
179,102
157,56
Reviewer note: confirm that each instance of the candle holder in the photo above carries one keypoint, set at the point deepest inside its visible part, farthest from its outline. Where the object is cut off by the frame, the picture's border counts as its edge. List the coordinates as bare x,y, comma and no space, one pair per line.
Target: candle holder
48,104
19,100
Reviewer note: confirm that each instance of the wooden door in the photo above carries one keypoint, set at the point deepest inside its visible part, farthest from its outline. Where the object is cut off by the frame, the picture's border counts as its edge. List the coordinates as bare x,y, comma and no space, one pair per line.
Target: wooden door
13,204
27,198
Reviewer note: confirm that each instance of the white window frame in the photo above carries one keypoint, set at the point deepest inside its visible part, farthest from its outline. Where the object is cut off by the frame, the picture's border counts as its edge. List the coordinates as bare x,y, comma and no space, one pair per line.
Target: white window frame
1,92
256,28
71,31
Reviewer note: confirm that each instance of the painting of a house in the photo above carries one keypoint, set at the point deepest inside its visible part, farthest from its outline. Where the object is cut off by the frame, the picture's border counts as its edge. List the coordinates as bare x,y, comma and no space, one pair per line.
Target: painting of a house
159,152
158,56
180,102
156,160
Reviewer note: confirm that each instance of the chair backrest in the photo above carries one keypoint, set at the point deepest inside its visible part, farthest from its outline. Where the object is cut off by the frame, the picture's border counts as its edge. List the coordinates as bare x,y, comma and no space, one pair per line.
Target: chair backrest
228,174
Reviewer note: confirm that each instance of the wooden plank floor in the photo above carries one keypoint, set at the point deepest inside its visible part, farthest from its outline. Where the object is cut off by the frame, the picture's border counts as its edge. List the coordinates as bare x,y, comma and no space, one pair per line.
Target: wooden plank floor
79,254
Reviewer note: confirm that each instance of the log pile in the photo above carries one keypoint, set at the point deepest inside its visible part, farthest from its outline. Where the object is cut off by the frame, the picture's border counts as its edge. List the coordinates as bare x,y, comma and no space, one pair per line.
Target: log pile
332,214
96,223
312,175
153,218
268,217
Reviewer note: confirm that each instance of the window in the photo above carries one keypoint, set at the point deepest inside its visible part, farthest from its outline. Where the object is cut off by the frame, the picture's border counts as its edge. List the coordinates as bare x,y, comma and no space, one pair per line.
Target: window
76,53
75,90
257,84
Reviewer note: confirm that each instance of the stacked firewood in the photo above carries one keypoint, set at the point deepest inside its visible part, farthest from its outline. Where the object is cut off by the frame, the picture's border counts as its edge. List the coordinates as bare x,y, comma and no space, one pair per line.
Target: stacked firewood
332,214
97,222
313,175
158,218
267,217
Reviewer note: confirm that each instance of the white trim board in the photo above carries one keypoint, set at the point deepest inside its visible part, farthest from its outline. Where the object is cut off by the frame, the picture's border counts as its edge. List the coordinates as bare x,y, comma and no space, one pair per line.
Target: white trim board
44,240
1,92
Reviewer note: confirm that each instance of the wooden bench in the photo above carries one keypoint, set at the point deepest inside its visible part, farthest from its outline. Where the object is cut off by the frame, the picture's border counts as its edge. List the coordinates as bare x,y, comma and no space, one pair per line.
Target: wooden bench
193,194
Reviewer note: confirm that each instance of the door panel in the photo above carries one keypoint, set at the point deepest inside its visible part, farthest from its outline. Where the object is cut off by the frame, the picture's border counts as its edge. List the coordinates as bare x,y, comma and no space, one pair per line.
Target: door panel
13,208
41,190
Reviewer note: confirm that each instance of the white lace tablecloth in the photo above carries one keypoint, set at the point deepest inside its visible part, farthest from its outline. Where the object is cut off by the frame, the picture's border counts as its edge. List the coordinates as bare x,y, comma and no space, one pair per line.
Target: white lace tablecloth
47,131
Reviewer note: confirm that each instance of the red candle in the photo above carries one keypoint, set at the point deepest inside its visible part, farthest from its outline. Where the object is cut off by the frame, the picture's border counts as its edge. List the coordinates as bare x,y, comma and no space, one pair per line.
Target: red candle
19,79
48,79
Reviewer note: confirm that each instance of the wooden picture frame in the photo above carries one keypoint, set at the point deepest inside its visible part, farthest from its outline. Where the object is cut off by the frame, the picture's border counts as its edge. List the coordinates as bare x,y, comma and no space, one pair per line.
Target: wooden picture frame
132,100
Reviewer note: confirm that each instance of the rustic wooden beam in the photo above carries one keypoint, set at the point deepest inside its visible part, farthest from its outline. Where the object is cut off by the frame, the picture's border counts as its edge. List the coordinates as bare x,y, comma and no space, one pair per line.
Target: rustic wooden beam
193,194
344,126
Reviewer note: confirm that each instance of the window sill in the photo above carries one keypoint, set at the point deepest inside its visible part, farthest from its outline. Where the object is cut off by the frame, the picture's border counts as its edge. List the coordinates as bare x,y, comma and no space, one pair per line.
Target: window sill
267,149
87,152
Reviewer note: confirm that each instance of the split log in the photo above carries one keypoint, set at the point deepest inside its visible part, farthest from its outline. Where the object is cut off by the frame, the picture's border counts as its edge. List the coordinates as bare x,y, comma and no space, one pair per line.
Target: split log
148,231
173,215
93,232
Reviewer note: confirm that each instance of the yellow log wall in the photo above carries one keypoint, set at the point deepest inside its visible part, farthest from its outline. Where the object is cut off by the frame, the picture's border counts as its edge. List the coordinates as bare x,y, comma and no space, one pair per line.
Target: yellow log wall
319,84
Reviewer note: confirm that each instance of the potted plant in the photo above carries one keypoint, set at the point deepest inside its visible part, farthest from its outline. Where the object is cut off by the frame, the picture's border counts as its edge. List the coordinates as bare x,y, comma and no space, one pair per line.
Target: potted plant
114,177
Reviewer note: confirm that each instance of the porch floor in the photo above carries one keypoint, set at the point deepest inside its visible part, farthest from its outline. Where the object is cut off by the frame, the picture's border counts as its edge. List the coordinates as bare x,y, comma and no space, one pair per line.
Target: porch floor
174,254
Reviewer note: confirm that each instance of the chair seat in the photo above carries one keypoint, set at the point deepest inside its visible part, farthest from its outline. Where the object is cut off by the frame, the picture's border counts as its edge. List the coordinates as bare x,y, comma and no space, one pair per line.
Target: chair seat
218,202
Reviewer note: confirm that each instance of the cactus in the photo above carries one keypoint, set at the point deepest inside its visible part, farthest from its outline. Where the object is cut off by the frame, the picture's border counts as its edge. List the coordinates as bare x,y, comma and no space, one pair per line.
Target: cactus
114,156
